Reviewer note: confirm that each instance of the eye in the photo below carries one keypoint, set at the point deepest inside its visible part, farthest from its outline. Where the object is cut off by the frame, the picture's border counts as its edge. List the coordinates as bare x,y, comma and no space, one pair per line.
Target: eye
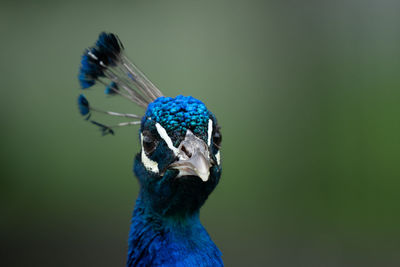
149,143
217,138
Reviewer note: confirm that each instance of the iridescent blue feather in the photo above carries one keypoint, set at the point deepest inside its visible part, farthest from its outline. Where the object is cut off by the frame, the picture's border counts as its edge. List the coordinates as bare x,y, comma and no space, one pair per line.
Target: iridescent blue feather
112,89
83,105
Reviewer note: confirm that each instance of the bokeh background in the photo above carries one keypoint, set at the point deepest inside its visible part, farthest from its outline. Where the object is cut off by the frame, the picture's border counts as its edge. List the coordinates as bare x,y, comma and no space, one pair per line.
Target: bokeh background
307,94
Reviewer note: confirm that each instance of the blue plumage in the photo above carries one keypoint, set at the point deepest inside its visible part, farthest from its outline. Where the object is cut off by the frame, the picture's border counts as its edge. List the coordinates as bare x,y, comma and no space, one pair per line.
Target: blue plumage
95,60
111,89
90,70
178,165
85,81
83,105
179,113
171,242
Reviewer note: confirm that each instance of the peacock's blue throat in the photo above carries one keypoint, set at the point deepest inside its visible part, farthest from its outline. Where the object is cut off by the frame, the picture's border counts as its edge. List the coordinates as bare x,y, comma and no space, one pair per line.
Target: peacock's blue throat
173,127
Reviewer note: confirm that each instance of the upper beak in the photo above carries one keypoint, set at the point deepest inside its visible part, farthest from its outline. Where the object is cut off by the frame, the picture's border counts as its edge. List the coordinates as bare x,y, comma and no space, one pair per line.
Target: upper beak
194,157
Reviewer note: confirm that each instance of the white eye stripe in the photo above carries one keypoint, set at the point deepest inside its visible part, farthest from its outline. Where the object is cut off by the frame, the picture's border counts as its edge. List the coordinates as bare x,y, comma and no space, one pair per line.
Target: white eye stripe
218,157
210,128
149,164
163,134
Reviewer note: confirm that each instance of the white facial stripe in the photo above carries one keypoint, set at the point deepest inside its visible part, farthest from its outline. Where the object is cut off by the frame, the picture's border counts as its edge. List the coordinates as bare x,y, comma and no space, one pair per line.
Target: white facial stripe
163,134
151,165
218,157
210,128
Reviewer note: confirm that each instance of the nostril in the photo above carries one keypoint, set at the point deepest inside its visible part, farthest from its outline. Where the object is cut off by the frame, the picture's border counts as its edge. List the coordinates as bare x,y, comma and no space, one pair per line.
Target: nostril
186,151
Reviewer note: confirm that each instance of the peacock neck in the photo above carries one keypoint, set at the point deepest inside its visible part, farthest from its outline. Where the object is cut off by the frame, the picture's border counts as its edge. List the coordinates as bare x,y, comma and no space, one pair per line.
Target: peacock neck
162,237
162,218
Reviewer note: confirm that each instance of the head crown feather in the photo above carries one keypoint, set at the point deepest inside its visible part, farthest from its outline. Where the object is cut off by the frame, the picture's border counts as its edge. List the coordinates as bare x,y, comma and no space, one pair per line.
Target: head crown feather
107,64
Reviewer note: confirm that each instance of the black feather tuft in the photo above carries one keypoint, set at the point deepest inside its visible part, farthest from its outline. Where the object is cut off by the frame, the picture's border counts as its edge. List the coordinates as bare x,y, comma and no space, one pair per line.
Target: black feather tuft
104,128
110,48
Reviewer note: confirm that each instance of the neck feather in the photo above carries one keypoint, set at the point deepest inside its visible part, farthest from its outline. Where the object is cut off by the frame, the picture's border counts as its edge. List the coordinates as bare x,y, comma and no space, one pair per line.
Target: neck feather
158,239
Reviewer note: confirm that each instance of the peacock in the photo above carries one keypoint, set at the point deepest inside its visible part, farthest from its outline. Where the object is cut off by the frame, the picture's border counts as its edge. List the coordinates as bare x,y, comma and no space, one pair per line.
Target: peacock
179,164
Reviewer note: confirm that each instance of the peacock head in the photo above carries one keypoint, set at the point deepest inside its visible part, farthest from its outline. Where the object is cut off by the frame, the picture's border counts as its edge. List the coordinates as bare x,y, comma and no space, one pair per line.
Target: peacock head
179,162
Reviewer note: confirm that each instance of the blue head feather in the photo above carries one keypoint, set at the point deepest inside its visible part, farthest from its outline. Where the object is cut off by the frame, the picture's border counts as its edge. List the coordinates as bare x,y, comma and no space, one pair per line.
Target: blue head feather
179,114
83,105
111,89
85,81
104,53
90,68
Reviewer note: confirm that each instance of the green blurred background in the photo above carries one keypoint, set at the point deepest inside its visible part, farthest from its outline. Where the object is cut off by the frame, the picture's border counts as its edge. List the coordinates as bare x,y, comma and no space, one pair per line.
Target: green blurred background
307,94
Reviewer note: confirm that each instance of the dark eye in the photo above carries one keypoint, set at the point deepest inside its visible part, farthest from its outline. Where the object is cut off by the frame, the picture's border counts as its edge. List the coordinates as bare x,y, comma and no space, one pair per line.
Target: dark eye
149,143
217,138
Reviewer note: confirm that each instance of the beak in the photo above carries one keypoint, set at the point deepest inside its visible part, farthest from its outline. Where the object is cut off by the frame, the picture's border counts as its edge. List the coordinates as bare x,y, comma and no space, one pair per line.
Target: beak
193,157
